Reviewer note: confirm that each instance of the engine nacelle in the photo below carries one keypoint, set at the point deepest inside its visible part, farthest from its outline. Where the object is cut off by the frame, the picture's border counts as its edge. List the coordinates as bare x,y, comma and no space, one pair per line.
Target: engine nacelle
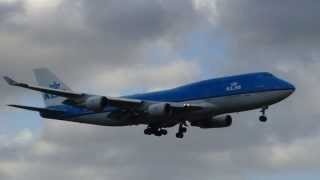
95,103
215,122
159,110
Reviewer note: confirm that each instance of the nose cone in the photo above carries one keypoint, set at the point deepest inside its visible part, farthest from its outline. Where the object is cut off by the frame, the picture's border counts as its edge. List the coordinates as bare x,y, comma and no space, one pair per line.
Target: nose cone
290,88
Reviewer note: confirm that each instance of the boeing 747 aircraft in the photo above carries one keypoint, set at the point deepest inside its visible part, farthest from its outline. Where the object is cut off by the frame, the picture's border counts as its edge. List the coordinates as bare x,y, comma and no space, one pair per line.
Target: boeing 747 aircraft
205,104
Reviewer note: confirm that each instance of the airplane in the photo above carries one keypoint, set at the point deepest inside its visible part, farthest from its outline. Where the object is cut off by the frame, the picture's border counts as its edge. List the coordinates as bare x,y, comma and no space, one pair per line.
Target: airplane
205,104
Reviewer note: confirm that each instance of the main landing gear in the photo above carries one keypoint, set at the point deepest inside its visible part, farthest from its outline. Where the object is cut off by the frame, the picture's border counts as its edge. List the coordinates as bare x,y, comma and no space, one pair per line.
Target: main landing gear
182,130
152,130
155,131
263,117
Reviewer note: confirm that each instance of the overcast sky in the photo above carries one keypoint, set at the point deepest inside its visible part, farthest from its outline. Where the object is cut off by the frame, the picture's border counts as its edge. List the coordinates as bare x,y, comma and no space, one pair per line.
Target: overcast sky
113,47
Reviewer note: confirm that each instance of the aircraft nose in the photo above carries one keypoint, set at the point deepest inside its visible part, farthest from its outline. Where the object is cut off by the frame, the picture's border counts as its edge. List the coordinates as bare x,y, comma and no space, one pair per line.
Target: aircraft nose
290,87
287,86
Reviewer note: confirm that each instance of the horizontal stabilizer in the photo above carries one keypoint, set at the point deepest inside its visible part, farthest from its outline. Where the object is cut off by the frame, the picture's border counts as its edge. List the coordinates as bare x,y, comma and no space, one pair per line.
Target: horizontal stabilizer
40,110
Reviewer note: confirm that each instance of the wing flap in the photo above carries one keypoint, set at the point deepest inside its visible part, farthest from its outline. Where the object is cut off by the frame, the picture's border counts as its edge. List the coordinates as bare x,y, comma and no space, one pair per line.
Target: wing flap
124,102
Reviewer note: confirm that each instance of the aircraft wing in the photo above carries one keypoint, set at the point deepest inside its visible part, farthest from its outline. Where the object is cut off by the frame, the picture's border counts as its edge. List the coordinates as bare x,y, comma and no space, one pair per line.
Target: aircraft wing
77,99
74,98
58,92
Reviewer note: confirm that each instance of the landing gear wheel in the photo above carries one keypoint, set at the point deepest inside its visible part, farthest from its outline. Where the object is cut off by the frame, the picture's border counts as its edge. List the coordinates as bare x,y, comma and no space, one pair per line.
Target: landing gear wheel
179,135
181,130
263,118
163,132
148,131
157,133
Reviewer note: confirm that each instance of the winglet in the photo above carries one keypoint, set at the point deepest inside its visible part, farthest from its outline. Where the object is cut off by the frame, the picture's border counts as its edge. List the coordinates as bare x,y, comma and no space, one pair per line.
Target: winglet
10,81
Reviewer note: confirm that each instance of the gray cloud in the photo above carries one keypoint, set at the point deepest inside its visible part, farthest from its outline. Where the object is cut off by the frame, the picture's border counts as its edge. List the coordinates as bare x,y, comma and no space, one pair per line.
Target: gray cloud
92,37
281,37
143,21
271,22
9,9
272,30
87,31
98,39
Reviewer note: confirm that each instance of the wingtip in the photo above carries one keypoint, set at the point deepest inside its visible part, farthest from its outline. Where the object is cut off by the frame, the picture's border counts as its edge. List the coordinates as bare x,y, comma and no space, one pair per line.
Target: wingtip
9,80
12,105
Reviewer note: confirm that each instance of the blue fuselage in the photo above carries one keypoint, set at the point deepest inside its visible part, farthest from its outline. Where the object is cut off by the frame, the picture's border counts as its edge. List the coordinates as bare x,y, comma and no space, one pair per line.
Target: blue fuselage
220,87
227,95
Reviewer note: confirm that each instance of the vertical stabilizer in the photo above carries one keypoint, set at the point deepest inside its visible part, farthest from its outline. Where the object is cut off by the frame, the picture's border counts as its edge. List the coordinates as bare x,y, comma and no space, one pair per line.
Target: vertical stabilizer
46,78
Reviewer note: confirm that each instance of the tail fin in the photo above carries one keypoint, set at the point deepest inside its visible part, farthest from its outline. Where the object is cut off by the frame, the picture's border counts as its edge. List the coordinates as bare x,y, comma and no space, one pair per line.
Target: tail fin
46,78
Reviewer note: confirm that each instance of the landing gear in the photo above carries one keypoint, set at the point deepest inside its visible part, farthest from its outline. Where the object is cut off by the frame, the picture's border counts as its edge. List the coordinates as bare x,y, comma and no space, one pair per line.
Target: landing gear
263,117
181,130
179,135
148,131
163,132
155,131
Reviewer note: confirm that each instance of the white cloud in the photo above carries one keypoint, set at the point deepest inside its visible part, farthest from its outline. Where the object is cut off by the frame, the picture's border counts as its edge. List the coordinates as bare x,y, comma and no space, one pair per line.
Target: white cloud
37,6
208,7
43,148
148,77
301,153
119,57
22,138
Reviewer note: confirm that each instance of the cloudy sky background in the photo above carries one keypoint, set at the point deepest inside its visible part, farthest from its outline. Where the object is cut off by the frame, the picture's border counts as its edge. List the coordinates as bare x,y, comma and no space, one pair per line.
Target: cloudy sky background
112,47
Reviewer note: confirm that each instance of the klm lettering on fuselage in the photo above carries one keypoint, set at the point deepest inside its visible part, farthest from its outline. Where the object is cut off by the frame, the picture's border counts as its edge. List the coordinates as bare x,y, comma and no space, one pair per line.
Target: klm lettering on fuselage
54,85
234,86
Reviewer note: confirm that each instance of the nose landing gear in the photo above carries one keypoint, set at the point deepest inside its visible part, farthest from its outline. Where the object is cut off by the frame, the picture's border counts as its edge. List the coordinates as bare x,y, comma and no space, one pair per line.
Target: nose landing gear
263,117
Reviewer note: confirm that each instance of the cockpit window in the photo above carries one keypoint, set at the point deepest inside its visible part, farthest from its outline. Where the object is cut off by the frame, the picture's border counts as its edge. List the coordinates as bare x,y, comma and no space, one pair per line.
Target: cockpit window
267,75
262,80
264,75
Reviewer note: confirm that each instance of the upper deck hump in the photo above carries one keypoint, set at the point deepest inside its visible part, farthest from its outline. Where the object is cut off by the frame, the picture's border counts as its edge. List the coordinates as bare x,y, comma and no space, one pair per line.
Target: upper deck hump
206,88
226,79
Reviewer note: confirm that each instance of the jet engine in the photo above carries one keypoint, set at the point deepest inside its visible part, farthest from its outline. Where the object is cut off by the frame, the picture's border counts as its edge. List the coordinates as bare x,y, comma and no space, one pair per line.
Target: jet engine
95,103
159,110
214,122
